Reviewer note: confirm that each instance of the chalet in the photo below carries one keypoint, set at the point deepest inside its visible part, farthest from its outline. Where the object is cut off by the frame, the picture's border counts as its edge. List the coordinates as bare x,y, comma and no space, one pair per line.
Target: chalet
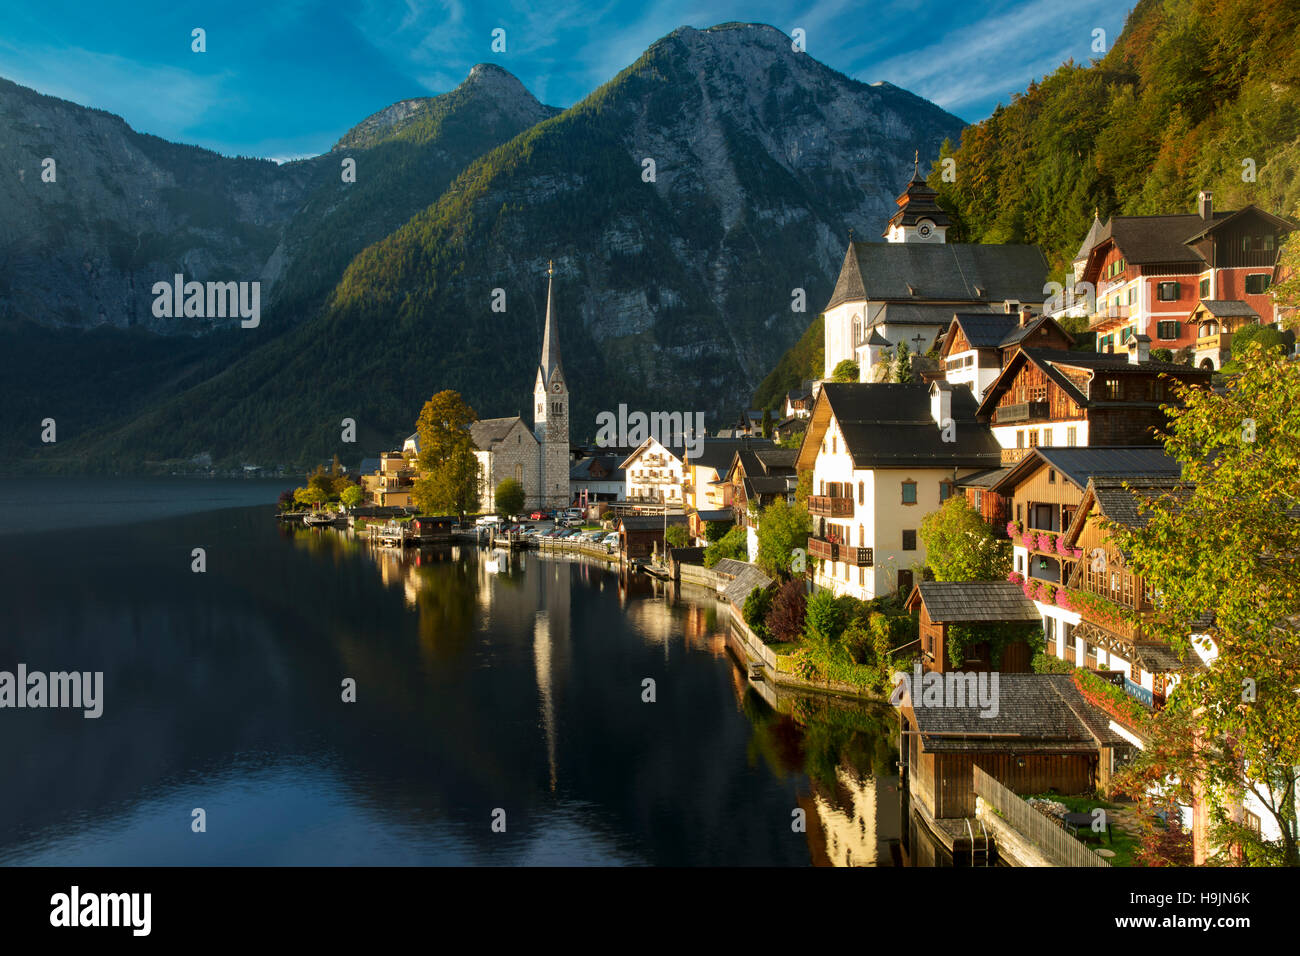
1049,398
978,345
1045,491
1097,584
882,457
755,479
798,402
704,485
790,426
1151,272
1214,321
654,474
1044,737
907,288
640,536
697,521
942,605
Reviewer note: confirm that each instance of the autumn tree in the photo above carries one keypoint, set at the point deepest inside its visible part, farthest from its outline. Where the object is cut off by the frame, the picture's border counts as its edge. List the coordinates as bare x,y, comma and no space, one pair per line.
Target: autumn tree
845,371
1224,547
448,482
960,545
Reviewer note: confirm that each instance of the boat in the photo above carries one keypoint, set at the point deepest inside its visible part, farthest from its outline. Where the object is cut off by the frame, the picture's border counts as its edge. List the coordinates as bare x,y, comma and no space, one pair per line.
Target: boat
320,519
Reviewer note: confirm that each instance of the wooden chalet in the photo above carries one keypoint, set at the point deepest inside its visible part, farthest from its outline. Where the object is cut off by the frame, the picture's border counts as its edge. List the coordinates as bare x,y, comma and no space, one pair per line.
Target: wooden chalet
1099,586
759,476
1048,398
942,604
978,345
1044,737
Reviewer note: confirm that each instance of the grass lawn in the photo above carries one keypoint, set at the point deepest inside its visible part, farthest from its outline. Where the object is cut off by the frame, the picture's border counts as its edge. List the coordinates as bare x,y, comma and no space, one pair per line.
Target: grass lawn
1124,843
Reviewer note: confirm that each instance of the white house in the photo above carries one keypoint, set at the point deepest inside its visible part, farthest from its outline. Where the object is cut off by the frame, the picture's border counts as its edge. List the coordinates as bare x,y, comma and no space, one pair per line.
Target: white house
883,457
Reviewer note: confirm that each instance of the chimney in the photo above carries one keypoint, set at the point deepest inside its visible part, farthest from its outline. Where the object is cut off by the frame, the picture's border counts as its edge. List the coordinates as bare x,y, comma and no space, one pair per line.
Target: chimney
1205,204
1139,349
940,402
1024,315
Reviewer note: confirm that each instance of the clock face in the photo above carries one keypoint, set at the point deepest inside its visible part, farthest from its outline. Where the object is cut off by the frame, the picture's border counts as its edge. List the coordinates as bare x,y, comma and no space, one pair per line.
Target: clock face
555,387
924,229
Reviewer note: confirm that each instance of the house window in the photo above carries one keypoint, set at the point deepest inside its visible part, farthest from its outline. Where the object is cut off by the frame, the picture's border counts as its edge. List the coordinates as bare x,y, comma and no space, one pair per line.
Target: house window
1020,564
1132,295
945,491
905,582
1033,438
1110,388
1257,283
909,492
909,540
1051,476
862,498
1047,437
1125,334
979,499
1268,242
1020,439
1072,436
1205,288
834,445
1168,291
1168,329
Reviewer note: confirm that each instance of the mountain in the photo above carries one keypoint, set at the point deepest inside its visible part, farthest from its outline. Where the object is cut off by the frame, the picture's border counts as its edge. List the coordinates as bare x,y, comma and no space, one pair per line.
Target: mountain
79,256
1190,90
674,292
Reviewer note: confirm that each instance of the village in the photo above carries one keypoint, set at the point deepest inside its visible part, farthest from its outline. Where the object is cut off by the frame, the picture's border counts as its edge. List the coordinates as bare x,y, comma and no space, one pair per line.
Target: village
954,400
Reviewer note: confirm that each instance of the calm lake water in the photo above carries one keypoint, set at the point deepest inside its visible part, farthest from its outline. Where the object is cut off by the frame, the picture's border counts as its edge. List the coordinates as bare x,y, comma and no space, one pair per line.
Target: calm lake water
519,691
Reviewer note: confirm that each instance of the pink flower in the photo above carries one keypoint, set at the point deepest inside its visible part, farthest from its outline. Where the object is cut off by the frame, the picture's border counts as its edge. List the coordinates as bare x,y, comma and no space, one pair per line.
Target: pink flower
1044,543
1027,540
1015,577
1061,549
1012,530
1063,599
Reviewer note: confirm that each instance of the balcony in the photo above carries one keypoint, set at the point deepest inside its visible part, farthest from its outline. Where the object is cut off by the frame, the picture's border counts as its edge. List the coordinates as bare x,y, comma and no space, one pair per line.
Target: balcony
1012,455
1214,343
1021,412
827,506
823,550
1108,317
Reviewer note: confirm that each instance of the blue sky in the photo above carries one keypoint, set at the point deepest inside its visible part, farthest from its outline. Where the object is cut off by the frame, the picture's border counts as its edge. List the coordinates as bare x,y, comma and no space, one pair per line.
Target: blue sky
285,78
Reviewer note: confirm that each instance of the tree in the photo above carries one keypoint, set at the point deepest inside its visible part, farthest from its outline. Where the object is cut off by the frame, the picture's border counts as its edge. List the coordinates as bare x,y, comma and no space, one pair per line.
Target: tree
716,530
443,429
901,370
676,536
449,480
786,619
766,426
845,371
352,496
781,529
734,544
1268,338
960,546
320,486
1287,289
1226,543
510,497
286,500
825,617
757,606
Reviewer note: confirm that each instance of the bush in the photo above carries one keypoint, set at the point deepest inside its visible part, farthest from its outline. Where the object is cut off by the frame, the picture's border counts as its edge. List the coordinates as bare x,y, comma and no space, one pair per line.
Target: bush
757,606
1044,663
716,530
825,617
1162,355
785,621
676,536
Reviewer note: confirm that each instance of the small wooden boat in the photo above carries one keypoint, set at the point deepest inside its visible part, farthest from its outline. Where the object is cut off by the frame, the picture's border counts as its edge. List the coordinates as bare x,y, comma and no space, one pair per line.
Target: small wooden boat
320,519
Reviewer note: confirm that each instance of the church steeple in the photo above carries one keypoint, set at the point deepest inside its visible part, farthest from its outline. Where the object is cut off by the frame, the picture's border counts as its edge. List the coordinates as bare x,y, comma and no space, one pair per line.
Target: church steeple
550,336
919,217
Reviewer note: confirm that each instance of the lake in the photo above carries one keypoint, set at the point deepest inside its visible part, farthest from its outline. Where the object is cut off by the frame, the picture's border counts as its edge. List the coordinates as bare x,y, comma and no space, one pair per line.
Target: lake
499,718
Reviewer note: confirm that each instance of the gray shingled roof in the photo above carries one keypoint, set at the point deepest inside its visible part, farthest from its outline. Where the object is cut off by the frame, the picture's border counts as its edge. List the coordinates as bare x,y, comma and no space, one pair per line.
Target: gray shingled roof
777,460
1120,504
746,581
983,479
649,522
1229,308
888,425
730,566
1035,712
489,431
882,271
986,330
960,602
1090,240
1156,238
717,453
1079,464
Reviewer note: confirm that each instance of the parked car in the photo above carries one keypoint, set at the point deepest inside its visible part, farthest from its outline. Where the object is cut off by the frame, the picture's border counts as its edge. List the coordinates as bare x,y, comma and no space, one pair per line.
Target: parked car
539,515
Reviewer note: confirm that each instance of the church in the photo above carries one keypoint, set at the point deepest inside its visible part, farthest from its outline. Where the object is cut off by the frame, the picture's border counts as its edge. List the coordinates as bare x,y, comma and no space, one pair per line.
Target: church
907,288
538,458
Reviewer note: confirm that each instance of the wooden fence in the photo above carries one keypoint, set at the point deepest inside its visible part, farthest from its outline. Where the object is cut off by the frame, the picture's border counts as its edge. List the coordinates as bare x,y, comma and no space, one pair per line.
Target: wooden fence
1032,825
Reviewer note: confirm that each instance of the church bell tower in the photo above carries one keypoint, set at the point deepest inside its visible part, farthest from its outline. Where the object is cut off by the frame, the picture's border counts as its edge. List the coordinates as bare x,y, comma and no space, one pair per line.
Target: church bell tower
551,411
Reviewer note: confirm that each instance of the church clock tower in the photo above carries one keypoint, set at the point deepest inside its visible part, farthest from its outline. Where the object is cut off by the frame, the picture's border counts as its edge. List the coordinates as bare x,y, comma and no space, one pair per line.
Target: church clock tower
919,217
551,412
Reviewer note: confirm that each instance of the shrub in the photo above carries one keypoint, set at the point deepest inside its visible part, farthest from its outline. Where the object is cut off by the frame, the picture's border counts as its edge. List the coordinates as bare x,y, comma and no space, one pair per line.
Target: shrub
676,536
785,621
757,606
731,545
825,617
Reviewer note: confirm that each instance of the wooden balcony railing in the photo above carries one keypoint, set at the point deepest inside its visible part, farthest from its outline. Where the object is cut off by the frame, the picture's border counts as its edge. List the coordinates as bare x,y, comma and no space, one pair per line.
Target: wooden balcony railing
1021,412
857,557
1108,316
828,506
1214,342
822,549
1012,455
